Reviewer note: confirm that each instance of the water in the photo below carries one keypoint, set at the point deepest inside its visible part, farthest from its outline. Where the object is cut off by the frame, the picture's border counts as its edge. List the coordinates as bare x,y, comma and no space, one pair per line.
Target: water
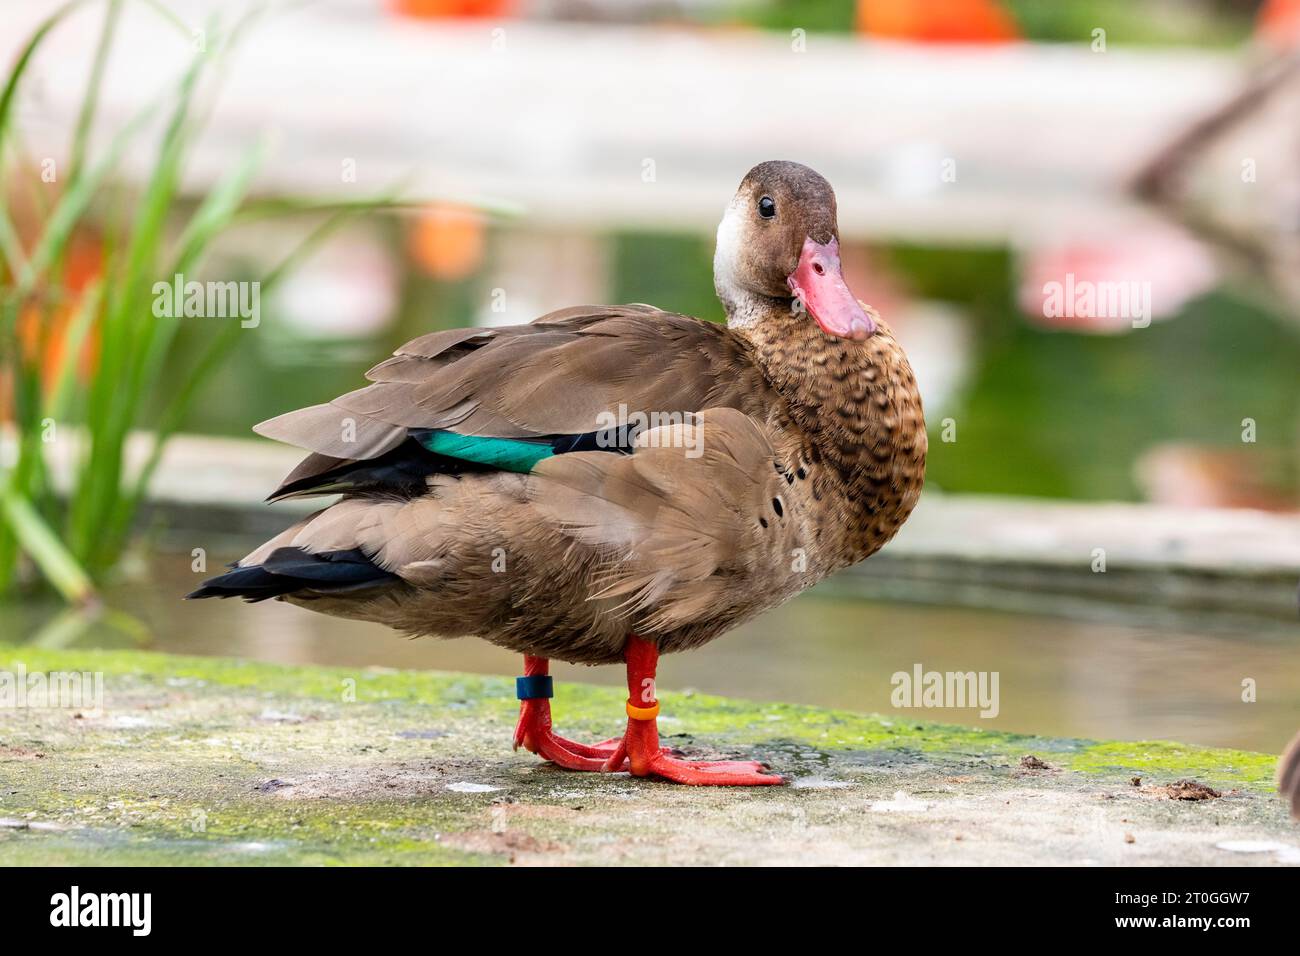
1058,677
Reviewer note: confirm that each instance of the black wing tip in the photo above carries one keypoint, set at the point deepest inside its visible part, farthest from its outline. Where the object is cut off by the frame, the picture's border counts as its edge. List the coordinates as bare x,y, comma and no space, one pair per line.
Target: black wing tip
211,587
287,570
402,471
223,587
215,590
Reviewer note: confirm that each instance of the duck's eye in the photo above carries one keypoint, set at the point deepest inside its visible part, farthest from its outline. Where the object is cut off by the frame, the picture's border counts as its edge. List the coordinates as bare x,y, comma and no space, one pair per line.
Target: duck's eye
766,208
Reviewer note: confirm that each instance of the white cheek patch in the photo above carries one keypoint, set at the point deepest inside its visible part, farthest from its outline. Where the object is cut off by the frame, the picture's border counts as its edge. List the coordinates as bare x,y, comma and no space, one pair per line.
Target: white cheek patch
725,256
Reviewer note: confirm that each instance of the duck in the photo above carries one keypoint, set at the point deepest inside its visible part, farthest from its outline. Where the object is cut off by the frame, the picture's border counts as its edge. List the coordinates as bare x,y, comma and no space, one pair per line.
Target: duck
607,484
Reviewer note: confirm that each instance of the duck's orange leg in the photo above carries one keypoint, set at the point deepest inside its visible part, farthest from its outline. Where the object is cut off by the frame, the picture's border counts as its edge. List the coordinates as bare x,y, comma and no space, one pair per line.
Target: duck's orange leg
533,732
639,750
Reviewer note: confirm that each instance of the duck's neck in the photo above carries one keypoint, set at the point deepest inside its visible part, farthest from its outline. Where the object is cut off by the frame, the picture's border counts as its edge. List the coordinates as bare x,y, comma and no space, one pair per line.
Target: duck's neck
747,311
857,407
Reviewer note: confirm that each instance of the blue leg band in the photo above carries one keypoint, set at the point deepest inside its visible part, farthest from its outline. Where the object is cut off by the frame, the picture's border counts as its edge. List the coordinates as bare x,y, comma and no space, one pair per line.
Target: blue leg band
531,688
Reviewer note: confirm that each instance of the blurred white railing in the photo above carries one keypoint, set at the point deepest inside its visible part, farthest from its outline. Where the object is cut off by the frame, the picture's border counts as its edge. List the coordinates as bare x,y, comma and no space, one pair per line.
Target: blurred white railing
652,127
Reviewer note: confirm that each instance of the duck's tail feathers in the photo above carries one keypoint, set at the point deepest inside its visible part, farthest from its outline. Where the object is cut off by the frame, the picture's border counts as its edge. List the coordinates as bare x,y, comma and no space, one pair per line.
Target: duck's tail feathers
286,570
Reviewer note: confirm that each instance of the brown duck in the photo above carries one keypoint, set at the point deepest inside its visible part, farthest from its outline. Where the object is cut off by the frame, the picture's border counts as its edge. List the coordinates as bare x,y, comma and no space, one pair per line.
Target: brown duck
609,483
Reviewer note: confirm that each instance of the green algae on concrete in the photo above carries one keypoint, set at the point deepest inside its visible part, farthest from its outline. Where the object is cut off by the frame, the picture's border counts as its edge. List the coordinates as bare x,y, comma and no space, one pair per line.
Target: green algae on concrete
211,761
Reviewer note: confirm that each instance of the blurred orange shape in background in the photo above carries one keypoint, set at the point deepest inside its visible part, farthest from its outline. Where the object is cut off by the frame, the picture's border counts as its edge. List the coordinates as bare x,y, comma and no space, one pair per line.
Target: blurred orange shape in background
1279,23
43,336
440,9
928,21
447,241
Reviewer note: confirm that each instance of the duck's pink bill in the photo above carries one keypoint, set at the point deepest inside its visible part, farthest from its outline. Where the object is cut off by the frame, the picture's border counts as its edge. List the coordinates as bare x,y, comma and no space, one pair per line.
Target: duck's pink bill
820,287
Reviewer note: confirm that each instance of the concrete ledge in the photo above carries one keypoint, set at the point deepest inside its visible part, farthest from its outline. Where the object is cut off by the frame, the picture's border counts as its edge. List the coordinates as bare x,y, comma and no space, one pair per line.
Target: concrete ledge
209,761
1038,555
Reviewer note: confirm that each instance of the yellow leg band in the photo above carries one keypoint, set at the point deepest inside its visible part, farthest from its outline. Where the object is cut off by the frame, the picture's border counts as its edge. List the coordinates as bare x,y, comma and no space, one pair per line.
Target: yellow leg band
643,713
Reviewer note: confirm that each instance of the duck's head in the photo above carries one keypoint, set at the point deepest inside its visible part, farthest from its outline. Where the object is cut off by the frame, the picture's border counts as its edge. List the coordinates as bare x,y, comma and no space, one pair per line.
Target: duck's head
778,244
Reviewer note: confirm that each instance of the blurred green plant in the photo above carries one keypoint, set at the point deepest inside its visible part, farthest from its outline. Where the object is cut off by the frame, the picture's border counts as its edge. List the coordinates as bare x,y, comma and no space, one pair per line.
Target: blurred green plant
91,352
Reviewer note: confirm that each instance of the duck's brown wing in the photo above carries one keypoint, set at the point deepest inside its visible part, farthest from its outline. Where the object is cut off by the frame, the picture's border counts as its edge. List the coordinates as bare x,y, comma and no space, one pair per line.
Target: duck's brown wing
697,518
693,530
562,375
